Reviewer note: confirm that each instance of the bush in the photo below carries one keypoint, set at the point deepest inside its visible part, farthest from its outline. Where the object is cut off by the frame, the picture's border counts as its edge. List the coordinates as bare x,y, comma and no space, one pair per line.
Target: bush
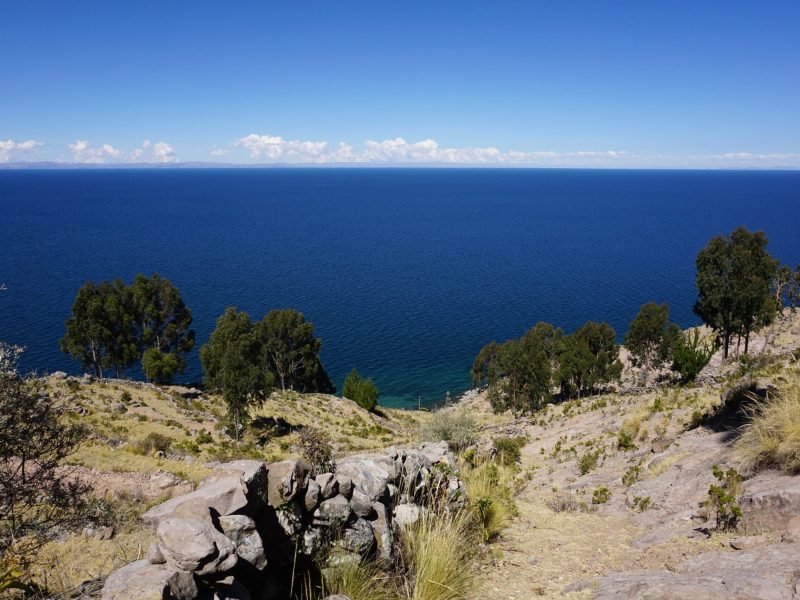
690,356
723,498
601,495
126,397
490,497
153,442
625,441
588,462
456,427
508,449
316,448
641,503
362,391
631,475
772,439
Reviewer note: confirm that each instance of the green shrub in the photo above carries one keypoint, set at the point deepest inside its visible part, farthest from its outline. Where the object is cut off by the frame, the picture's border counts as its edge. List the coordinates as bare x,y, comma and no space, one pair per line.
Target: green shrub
126,397
689,355
456,427
723,498
203,437
362,391
508,449
631,475
153,442
601,495
641,503
625,441
588,462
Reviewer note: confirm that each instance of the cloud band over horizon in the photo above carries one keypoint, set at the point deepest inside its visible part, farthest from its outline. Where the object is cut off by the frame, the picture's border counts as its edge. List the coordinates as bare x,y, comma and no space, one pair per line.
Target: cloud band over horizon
268,149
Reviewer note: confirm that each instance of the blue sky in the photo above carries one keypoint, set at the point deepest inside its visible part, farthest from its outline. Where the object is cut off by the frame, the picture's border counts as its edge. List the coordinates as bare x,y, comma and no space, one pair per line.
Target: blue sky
595,83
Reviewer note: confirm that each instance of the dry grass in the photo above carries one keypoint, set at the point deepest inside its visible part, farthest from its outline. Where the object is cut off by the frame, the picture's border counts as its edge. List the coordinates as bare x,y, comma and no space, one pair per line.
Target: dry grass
772,439
62,566
438,551
489,490
103,458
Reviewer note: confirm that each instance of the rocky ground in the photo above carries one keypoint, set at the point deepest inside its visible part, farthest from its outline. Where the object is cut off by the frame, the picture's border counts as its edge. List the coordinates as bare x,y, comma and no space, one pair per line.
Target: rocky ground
653,537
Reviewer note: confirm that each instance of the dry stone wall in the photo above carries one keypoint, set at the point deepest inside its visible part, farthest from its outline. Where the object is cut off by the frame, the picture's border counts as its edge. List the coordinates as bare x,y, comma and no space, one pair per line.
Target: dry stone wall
244,530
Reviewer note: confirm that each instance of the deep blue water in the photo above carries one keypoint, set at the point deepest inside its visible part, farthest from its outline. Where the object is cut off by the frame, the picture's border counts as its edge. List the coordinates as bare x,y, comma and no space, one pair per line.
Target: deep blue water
405,273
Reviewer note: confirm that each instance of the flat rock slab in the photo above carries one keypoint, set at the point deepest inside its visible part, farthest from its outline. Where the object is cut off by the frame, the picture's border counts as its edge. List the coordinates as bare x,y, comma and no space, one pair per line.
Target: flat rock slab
226,496
144,581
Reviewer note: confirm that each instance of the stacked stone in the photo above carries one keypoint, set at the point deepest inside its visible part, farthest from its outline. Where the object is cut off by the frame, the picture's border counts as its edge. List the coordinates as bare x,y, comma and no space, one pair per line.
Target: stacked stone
237,535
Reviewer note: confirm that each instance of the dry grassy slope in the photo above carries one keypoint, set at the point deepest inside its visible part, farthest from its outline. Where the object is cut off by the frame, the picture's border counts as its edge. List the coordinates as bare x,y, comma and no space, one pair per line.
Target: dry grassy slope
120,414
543,552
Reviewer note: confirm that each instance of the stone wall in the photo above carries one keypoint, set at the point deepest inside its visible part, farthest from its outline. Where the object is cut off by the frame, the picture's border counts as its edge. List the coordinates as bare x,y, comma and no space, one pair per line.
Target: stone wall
250,525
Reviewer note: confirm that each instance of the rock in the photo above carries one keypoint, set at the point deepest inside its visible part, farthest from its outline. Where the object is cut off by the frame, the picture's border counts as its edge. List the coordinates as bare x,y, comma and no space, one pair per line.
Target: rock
659,445
241,530
334,512
358,537
406,514
253,474
104,533
194,545
337,597
345,485
369,477
312,541
770,500
285,480
290,518
118,407
792,532
229,588
438,452
144,581
226,497
328,486
361,504
382,528
748,541
59,375
155,556
312,496
162,480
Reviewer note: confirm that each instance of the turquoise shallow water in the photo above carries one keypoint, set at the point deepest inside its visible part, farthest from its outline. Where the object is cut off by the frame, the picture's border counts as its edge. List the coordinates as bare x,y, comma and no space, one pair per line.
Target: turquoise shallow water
405,273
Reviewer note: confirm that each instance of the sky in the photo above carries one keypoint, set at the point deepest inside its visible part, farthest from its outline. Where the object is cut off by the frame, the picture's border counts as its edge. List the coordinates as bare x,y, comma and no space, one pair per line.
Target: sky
598,83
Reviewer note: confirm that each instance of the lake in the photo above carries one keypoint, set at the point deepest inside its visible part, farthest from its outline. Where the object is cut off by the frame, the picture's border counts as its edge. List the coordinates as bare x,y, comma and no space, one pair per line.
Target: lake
405,273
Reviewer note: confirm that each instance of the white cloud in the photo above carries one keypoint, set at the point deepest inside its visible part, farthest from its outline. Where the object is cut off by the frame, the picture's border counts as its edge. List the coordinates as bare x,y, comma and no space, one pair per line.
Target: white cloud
84,152
9,148
275,149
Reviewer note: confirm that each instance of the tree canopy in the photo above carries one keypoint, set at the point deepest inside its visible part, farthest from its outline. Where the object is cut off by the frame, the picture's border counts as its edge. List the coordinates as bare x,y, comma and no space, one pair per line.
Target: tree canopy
114,326
650,336
360,390
735,278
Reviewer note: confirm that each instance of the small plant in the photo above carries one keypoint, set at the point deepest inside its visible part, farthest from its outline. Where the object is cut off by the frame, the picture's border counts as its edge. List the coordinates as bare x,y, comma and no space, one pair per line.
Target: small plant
641,503
697,419
723,498
601,495
152,443
508,449
631,475
126,397
203,437
316,448
689,355
456,427
73,385
588,462
470,456
625,441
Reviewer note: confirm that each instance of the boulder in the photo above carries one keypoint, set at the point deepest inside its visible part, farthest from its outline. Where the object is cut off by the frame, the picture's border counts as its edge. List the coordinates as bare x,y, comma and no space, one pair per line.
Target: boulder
253,474
155,556
333,513
770,500
241,530
285,480
230,589
194,545
358,537
226,496
328,486
382,528
406,514
368,476
361,504
312,496
792,532
142,580
345,485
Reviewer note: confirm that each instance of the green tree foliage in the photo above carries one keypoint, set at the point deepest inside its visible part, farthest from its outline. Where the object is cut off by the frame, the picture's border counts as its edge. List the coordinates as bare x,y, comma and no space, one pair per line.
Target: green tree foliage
292,352
162,327
233,365
735,278
650,337
690,354
362,391
100,331
114,325
39,496
588,359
